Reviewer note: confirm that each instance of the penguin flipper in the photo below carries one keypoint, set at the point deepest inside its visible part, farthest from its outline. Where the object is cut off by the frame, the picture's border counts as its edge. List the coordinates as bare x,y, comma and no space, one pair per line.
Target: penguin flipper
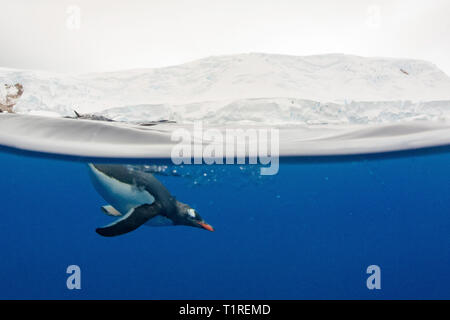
130,221
111,211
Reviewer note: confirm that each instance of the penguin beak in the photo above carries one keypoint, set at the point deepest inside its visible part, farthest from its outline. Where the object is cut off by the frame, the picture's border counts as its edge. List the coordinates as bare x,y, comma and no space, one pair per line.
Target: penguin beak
206,226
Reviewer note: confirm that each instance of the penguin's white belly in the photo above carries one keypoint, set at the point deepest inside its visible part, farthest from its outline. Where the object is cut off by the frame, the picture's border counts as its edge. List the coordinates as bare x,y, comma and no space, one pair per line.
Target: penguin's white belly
120,195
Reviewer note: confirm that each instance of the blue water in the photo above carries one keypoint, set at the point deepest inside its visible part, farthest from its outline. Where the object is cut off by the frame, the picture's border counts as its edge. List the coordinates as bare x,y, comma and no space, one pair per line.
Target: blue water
308,232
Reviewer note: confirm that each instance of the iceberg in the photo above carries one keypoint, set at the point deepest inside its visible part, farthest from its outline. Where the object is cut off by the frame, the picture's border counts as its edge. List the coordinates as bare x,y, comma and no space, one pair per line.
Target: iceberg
322,105
246,88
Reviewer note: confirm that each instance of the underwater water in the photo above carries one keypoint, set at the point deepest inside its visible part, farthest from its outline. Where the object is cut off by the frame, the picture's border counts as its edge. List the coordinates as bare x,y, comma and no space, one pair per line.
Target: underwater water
309,232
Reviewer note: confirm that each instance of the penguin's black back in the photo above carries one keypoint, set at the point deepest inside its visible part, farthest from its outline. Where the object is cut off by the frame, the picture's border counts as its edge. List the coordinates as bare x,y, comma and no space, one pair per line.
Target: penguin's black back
141,179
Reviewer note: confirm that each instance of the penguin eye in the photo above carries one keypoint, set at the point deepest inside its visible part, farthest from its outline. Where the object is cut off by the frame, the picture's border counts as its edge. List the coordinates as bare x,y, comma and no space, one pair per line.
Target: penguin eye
191,212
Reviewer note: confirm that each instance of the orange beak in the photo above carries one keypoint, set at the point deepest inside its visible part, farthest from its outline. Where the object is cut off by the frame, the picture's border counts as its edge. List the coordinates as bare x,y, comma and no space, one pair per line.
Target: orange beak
206,226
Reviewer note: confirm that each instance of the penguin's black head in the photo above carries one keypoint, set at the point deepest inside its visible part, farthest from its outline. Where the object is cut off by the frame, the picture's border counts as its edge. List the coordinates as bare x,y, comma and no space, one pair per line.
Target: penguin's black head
189,217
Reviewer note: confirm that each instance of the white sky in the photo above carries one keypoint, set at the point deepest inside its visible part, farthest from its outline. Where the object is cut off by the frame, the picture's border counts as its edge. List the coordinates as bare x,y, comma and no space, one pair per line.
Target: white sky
114,35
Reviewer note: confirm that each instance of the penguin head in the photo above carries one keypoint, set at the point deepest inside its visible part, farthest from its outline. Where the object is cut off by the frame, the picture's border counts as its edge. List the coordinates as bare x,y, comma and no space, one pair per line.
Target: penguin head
189,217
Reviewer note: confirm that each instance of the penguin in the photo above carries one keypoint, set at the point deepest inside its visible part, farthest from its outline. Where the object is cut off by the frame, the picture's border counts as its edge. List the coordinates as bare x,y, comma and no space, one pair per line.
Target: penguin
137,198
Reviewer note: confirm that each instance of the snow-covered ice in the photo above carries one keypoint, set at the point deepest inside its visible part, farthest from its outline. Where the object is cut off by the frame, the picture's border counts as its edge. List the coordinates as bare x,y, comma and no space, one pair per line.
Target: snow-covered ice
248,88
323,105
